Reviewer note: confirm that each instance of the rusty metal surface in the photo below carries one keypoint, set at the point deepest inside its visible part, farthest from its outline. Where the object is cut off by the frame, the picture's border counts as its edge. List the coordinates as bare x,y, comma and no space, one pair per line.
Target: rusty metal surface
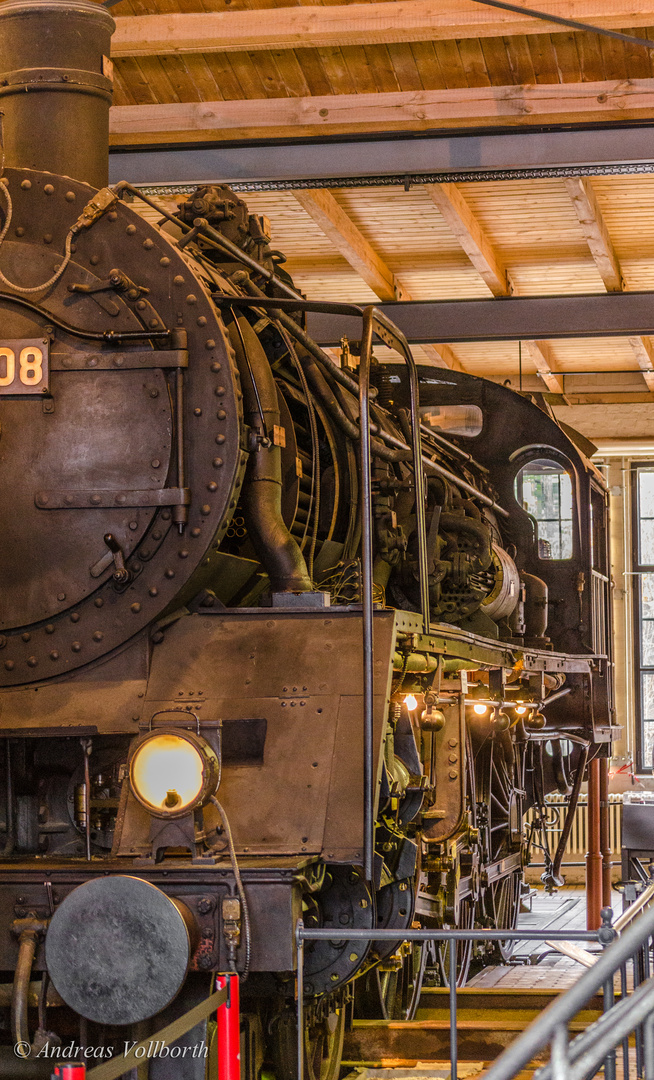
273,888
447,755
301,673
105,429
56,90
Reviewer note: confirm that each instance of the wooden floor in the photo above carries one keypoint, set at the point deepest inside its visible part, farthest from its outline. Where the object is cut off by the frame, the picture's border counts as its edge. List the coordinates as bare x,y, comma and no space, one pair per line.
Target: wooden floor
561,910
533,967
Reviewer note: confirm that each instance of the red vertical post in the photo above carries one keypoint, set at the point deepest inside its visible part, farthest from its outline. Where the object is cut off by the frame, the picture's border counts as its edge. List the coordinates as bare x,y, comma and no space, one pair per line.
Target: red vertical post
228,1032
70,1071
594,855
605,842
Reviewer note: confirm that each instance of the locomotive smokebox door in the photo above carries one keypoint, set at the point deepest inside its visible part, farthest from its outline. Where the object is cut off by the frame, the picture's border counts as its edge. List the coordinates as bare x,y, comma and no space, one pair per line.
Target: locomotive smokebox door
118,949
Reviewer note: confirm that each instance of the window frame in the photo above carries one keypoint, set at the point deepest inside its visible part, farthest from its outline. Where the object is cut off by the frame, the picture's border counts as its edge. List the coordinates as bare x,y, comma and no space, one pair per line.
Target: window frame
546,453
639,570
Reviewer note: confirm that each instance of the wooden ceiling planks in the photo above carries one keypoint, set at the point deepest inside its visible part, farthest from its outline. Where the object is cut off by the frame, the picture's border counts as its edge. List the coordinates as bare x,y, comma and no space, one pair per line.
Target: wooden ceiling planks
465,63
530,225
361,69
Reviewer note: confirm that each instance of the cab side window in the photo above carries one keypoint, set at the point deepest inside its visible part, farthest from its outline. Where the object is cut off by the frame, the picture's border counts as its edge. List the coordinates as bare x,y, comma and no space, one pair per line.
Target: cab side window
544,489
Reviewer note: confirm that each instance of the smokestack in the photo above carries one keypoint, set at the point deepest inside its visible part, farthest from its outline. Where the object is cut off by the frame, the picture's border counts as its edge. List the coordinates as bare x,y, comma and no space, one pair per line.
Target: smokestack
55,87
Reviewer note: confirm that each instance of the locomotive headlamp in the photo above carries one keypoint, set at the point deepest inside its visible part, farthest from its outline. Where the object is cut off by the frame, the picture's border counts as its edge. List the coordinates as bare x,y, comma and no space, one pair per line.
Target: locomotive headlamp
173,772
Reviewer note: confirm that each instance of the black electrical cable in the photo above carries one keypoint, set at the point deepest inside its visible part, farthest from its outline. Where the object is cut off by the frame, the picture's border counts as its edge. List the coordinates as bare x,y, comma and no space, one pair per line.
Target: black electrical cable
79,331
239,886
572,23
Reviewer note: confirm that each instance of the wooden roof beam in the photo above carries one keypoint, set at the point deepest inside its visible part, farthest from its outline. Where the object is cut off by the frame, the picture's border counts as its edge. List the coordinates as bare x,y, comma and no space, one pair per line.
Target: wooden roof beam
442,356
596,233
479,249
464,226
539,353
402,110
644,352
314,26
332,220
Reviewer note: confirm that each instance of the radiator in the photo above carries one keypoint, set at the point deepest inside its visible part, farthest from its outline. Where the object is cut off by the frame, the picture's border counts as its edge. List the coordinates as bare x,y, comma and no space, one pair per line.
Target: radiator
577,845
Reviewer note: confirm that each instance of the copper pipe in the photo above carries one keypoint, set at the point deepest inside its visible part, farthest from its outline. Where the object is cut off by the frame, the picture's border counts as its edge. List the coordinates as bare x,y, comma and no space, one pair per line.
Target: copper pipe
594,855
605,846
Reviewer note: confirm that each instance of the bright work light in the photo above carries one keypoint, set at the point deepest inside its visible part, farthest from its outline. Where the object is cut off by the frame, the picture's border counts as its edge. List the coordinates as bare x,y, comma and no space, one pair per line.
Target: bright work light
173,772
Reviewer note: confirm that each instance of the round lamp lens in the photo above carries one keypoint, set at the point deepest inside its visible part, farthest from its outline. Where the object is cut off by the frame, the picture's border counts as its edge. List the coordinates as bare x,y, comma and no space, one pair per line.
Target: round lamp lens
167,773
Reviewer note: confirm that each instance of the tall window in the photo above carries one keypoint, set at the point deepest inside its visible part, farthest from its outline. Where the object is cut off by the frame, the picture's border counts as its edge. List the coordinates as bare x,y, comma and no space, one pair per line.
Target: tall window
644,607
544,490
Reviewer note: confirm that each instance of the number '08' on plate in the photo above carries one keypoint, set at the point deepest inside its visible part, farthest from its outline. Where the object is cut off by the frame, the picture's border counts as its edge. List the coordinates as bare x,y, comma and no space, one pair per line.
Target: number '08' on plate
24,367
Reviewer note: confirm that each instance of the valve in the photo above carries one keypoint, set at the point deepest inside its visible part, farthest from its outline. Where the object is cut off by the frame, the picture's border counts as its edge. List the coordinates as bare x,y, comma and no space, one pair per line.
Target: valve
122,575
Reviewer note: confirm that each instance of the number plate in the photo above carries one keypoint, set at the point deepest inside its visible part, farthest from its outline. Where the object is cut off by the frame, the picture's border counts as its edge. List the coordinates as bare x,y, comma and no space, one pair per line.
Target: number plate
24,366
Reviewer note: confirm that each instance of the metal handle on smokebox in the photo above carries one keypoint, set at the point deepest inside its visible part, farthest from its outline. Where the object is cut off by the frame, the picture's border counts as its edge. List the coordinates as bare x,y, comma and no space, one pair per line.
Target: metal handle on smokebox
375,322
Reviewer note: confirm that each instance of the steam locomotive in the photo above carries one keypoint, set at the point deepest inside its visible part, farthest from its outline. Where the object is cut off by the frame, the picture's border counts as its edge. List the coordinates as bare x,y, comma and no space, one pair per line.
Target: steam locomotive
202,514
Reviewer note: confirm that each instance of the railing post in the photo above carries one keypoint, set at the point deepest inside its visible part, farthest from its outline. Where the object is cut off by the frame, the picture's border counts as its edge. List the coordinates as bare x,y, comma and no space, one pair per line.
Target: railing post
648,1040
625,1041
593,856
228,1029
605,935
375,322
299,942
605,838
559,1054
454,1050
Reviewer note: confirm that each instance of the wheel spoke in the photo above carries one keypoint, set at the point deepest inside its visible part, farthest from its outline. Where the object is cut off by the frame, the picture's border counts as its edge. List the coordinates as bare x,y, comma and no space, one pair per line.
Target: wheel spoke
502,806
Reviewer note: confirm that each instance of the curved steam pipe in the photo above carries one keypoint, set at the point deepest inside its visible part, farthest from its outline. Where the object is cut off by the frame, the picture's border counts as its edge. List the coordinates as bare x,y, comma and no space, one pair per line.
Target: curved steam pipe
261,496
31,930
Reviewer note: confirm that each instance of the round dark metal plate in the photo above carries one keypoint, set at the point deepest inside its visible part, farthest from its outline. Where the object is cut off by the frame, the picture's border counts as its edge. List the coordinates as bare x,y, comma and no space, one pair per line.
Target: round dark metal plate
106,427
117,950
344,902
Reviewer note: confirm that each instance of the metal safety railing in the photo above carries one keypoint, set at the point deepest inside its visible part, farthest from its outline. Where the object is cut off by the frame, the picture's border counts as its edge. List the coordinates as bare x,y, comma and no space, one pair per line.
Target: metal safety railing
374,322
605,935
595,1048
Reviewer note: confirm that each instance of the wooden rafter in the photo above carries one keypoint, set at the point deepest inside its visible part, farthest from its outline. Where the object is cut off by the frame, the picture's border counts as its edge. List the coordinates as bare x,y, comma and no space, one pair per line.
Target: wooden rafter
479,249
353,24
539,352
601,247
644,353
596,234
398,110
333,221
464,226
